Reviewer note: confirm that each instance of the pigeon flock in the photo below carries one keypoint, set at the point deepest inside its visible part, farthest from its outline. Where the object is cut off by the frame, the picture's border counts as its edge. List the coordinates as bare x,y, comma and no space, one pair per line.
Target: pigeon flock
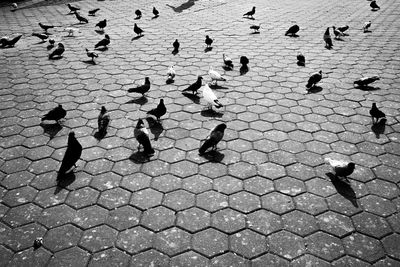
73,153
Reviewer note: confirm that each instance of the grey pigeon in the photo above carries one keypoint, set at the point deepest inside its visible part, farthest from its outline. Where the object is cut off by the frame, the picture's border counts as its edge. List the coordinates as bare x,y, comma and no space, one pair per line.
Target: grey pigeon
55,114
195,86
142,136
142,89
250,13
93,11
159,111
314,79
213,138
57,52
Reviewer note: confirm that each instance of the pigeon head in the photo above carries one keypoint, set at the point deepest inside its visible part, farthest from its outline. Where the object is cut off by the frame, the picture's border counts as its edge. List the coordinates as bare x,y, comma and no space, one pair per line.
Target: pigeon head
351,165
107,37
139,124
161,101
320,72
103,109
200,78
59,106
71,134
60,45
221,127
147,79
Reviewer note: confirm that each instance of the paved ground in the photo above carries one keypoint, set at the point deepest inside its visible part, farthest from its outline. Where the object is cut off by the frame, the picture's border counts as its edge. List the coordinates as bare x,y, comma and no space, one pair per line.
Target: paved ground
264,199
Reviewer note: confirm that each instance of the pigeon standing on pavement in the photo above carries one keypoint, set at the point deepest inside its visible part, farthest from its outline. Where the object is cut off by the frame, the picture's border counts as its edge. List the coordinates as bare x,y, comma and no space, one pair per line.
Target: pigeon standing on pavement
245,62
137,30
365,81
102,24
208,41
210,97
176,46
93,11
250,13
301,60
341,169
138,14
343,29
45,27
155,12
292,31
159,111
374,5
227,62
194,87
213,138
72,8
376,114
103,120
142,136
366,26
71,156
91,54
41,36
255,28
314,79
142,89
215,76
170,74
81,18
103,43
337,33
55,114
7,42
328,39
57,52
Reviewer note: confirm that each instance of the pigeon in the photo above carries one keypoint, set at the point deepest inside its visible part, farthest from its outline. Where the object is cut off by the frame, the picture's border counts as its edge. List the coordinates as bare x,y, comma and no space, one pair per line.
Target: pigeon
58,51
72,8
176,46
337,33
137,30
45,27
103,120
208,41
194,87
292,31
159,111
374,5
366,26
155,12
343,28
210,97
244,61
102,24
142,136
170,74
314,79
341,168
213,138
256,28
71,156
138,14
103,43
91,54
81,18
328,39
14,6
71,31
364,81
55,114
227,61
215,76
142,89
301,60
93,11
250,13
41,36
376,114
7,42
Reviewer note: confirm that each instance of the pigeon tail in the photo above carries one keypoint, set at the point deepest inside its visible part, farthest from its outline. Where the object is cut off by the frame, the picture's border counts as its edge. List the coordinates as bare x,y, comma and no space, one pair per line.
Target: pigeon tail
207,144
217,104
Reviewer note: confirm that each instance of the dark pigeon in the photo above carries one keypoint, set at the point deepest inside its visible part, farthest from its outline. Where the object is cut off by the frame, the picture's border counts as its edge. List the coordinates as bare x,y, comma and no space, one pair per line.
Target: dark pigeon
71,156
142,136
376,114
214,137
159,111
195,86
142,89
293,30
55,114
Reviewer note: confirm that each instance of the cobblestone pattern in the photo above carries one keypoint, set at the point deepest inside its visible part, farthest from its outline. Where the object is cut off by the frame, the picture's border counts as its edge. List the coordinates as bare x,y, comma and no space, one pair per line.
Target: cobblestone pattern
264,200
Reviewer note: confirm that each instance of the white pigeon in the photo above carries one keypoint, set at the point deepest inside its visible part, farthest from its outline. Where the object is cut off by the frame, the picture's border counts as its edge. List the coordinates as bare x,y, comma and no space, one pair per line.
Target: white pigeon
171,74
342,169
215,76
210,97
71,31
366,26
14,6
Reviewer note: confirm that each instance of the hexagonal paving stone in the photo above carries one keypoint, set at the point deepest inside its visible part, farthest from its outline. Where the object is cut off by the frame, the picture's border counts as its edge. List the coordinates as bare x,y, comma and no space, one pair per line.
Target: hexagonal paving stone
136,182
189,258
56,216
300,171
277,202
109,257
166,183
227,185
244,202
82,197
212,201
212,170
106,181
269,260
150,258
90,216
70,257
228,220
146,198
248,243
363,247
324,246
5,255
229,259
311,203
309,260
334,223
342,205
383,189
20,238
320,187
62,237
30,257
114,198
350,261
123,217
378,205
183,169
210,242
289,186
179,200
19,196
286,244
17,179
98,238
197,184
259,185
299,223
391,245
242,170
172,241
193,219
271,170
158,218
135,239
50,197
371,225
22,214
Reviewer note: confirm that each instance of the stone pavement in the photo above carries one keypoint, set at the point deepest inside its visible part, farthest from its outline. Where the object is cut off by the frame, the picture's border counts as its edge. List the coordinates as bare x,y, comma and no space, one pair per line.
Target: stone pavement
264,199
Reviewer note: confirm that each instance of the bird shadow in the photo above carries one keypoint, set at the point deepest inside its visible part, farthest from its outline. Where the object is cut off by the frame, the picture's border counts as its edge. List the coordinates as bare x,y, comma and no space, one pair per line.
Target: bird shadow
194,97
89,62
243,70
139,157
99,31
208,49
56,58
137,37
227,68
102,49
183,6
301,64
155,127
254,33
343,189
329,47
41,42
137,18
375,9
379,127
216,86
293,35
211,113
250,18
339,39
169,81
213,156
175,51
367,31
51,129
49,47
99,136
367,88
314,90
140,101
63,181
